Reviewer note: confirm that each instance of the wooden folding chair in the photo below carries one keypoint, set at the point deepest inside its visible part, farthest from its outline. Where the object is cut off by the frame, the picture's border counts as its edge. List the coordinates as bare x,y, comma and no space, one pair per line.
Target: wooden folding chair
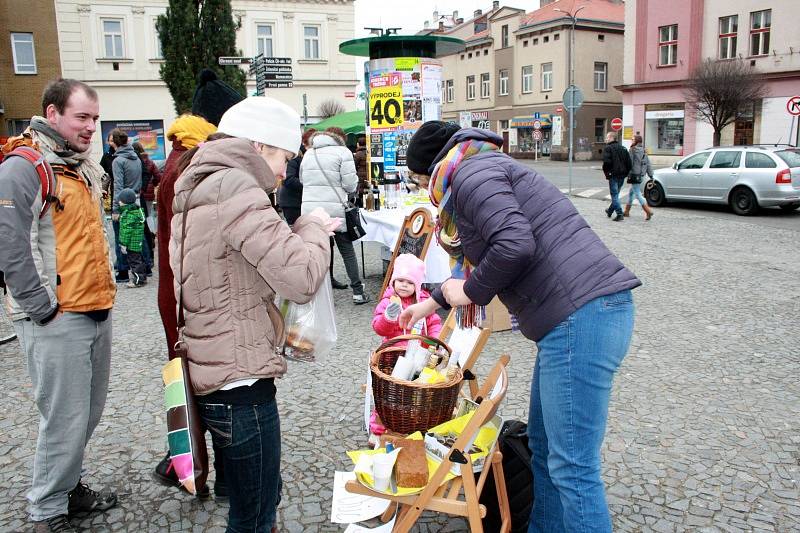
447,330
459,496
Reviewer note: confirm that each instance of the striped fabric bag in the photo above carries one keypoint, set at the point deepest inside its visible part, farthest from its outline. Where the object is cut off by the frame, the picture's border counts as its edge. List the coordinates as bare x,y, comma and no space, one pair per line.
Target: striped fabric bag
187,445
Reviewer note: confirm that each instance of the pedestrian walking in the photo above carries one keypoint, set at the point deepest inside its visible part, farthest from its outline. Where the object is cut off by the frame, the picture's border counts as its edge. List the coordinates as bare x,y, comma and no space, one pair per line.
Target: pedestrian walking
640,165
328,174
131,237
60,293
237,251
616,167
151,176
513,234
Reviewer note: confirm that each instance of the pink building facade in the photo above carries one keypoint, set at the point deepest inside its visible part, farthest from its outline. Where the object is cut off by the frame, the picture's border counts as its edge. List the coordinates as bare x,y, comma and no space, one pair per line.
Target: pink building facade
664,42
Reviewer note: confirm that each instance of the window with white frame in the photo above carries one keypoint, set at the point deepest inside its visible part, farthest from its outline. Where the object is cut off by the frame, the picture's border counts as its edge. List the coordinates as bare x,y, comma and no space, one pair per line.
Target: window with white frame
158,51
760,25
450,91
113,38
504,36
311,42
600,76
547,76
23,53
668,45
486,87
264,40
527,78
471,87
503,88
728,29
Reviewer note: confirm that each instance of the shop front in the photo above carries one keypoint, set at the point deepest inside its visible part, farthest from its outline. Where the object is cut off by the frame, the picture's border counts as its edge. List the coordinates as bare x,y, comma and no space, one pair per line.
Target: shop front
663,129
522,139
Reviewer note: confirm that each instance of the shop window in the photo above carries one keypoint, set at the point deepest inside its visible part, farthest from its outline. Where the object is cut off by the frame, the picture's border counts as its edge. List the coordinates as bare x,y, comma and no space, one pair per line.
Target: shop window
760,25
485,85
694,162
599,130
728,28
758,160
113,38
311,42
726,159
600,76
471,87
527,79
664,129
450,90
547,76
668,45
17,126
23,53
264,40
503,88
504,36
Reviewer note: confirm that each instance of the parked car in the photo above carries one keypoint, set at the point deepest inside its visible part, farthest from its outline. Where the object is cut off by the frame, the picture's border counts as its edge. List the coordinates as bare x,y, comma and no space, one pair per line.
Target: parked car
744,177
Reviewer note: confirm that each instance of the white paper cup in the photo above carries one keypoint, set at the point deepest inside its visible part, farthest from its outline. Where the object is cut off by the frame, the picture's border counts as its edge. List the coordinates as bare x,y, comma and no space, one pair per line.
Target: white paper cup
382,465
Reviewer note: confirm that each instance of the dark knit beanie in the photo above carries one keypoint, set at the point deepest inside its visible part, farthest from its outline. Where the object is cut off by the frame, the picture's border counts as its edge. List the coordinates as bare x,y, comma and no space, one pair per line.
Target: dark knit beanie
213,97
127,196
426,144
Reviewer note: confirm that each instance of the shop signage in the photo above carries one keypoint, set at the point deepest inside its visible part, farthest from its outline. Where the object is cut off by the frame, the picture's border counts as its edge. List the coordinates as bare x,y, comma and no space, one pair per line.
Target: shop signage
465,119
559,109
663,114
616,124
349,94
793,105
386,101
555,139
150,133
529,122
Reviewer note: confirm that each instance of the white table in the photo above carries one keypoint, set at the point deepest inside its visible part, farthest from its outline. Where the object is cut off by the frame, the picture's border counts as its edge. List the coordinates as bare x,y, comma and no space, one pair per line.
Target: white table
384,227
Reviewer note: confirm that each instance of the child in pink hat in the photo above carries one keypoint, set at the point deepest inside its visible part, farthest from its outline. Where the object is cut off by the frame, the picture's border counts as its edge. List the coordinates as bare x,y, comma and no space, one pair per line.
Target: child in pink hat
405,288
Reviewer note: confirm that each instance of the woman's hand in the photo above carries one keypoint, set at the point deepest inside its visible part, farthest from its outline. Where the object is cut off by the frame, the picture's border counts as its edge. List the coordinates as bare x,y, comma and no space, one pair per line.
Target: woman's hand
416,312
330,224
453,291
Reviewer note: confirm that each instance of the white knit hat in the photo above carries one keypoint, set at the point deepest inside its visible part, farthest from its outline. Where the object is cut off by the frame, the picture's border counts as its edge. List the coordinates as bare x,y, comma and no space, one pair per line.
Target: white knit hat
264,120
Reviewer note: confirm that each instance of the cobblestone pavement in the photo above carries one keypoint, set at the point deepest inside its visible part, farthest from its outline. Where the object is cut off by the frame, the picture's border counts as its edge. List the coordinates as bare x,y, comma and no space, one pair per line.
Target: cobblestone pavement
703,433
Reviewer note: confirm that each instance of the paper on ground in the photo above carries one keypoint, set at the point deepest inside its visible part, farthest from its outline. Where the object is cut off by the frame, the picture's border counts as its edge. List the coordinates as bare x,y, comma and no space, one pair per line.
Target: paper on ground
347,507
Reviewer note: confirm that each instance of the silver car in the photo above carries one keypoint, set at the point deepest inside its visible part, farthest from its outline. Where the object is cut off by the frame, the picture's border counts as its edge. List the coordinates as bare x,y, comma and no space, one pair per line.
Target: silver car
744,177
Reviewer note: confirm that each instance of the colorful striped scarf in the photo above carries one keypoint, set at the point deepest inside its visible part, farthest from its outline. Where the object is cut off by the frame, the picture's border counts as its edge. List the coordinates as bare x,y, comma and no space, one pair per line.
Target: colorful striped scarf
446,231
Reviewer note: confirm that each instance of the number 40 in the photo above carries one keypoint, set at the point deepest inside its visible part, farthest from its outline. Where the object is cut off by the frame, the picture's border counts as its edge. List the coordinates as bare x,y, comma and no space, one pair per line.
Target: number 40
386,111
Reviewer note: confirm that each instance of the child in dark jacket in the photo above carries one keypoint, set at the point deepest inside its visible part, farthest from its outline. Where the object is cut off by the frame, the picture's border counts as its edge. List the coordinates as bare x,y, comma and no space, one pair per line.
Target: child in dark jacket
131,235
405,288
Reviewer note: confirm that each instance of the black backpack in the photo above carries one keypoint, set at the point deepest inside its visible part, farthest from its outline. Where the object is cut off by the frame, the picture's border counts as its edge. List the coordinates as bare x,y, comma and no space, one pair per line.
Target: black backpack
513,444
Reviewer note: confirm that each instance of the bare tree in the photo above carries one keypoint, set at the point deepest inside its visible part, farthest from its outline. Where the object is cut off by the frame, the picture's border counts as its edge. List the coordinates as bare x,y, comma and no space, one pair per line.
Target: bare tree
329,108
719,90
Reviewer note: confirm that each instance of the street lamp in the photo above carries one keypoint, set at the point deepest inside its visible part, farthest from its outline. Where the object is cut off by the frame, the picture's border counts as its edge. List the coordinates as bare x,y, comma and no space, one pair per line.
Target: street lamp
573,18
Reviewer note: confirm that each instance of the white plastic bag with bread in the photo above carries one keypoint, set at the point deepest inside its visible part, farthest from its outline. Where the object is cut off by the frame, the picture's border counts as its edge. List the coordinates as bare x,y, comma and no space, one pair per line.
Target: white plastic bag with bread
310,328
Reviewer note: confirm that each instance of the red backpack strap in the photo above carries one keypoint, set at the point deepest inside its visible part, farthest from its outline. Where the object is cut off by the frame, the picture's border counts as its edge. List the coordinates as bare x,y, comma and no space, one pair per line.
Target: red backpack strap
43,169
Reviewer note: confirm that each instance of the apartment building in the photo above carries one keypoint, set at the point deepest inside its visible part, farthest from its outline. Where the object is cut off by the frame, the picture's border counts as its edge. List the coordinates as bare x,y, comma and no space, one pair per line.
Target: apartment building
667,45
29,58
114,46
515,69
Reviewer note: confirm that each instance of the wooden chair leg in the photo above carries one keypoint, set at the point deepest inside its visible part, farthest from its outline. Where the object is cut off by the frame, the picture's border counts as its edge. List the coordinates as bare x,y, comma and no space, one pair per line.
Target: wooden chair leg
471,496
502,493
389,512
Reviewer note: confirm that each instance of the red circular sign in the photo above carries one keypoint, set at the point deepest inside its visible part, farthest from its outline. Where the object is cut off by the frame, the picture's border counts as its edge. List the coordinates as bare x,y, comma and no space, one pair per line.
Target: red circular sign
616,124
793,105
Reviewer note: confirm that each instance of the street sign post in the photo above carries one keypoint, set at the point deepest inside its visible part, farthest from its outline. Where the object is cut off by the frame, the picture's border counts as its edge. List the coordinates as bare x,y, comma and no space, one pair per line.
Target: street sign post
270,72
793,106
229,60
573,97
573,100
537,124
616,124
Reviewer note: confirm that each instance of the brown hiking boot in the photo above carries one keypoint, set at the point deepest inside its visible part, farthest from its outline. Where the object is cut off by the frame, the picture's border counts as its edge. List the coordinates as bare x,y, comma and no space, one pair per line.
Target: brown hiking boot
82,499
56,524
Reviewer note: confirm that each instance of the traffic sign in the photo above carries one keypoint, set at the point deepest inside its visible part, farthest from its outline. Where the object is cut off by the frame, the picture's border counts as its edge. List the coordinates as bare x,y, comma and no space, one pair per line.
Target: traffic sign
537,135
536,115
537,124
573,97
229,60
278,85
559,109
793,105
282,77
275,70
277,60
616,124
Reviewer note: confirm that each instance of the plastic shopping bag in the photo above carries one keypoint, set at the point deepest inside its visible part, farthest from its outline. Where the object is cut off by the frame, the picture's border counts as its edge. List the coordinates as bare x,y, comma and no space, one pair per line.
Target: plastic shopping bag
311,327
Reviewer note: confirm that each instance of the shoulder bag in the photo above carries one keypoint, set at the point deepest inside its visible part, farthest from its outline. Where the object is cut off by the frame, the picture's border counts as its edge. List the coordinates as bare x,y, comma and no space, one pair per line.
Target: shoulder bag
352,216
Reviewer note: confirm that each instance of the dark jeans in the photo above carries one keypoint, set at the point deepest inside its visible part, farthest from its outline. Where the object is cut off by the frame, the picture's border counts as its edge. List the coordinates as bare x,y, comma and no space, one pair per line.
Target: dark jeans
291,214
137,267
122,261
345,246
614,186
247,440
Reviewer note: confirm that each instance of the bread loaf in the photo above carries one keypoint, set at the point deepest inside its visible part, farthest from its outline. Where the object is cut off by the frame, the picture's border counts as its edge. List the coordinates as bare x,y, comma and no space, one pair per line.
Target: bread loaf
411,469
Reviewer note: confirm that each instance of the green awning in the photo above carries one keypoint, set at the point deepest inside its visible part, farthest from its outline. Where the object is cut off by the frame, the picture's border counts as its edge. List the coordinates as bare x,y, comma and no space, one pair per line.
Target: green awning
350,122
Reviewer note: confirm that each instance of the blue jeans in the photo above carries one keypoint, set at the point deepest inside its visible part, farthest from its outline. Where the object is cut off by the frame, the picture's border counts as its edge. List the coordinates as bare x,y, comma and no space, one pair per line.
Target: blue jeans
614,186
247,439
636,190
570,392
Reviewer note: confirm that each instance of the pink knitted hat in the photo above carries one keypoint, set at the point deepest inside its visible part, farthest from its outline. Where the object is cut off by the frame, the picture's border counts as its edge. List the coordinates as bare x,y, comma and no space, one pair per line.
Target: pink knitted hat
410,268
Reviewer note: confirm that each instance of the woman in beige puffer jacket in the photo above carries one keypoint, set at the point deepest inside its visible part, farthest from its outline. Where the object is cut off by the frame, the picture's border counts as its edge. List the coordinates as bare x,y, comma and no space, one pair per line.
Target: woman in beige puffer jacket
238,253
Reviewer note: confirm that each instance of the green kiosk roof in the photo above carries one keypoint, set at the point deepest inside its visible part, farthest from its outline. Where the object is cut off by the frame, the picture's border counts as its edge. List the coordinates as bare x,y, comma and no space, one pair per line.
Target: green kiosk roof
402,46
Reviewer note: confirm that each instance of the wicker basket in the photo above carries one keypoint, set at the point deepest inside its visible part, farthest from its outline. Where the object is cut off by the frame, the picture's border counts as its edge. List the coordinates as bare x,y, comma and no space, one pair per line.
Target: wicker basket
405,406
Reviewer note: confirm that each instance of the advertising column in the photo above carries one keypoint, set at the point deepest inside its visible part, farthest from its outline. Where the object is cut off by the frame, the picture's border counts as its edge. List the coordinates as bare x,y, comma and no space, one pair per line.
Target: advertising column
403,93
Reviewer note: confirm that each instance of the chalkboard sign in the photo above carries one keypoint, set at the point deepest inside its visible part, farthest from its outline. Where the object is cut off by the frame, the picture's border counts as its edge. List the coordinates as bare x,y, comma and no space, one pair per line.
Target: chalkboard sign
415,237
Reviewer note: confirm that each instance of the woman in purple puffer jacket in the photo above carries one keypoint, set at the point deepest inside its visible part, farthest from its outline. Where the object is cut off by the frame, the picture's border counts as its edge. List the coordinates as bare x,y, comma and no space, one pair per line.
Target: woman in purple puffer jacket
513,234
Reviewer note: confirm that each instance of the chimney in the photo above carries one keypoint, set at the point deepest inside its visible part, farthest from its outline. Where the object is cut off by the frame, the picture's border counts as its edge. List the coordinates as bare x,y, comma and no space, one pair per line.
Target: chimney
455,16
425,25
495,4
477,13
435,16
441,25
